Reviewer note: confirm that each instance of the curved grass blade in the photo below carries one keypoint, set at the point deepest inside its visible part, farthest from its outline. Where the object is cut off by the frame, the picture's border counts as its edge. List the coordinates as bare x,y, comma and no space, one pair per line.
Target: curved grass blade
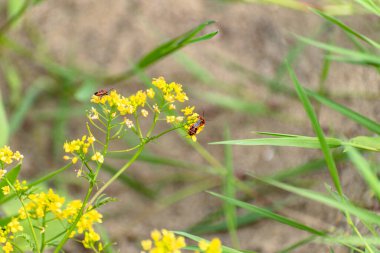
346,28
318,130
364,121
342,205
364,169
165,49
270,215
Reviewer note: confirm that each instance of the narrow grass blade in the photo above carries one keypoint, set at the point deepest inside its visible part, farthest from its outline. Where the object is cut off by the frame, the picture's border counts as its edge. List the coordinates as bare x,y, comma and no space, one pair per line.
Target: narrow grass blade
165,49
229,191
301,142
270,215
346,28
233,103
365,170
344,206
364,121
318,130
298,244
4,128
198,239
241,220
308,167
370,5
21,111
363,58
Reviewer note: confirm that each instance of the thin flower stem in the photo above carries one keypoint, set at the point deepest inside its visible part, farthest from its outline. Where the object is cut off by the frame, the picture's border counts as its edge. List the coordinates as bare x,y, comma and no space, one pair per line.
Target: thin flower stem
111,180
73,225
43,232
27,215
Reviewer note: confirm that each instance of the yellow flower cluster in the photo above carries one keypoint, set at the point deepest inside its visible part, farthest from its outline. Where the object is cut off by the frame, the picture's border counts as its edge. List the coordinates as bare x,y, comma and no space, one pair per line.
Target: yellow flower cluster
7,156
124,105
7,233
215,246
78,147
166,242
163,242
43,203
171,91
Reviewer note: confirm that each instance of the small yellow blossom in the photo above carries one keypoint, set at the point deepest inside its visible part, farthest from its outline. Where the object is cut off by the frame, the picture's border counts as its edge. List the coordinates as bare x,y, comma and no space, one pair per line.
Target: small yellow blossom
188,110
20,186
144,113
6,189
14,226
156,109
179,119
164,241
74,160
172,107
146,244
7,248
215,246
98,157
170,119
150,93
2,173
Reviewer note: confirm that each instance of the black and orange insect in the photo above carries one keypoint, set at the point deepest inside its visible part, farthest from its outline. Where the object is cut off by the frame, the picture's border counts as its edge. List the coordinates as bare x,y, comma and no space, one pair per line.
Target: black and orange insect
195,127
101,92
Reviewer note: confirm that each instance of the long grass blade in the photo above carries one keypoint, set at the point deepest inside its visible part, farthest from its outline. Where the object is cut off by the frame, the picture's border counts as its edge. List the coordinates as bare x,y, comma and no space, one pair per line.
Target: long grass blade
318,130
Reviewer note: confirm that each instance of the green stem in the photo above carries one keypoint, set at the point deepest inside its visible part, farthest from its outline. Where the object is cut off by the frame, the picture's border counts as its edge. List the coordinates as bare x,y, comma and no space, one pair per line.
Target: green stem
27,215
43,233
111,180
73,225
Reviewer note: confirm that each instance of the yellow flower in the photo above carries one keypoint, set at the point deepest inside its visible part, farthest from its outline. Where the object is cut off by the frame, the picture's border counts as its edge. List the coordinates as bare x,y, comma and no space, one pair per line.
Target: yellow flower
170,119
150,93
215,246
14,226
7,248
172,107
90,238
6,190
2,173
7,156
179,119
144,113
156,109
188,110
146,244
98,157
20,186
164,241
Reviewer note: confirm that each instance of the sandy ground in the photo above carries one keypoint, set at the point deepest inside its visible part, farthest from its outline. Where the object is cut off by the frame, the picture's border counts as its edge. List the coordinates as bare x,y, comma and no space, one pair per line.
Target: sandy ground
106,36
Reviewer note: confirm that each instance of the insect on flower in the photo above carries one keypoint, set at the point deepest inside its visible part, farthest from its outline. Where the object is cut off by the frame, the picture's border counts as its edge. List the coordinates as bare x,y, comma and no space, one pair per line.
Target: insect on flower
101,92
195,127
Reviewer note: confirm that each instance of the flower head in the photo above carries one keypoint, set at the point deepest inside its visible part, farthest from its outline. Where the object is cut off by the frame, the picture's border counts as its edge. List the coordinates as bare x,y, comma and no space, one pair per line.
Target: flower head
215,246
163,241
7,156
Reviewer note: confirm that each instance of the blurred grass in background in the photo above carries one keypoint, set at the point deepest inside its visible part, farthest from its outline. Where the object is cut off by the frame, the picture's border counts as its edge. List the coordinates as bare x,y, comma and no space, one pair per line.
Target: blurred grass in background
31,74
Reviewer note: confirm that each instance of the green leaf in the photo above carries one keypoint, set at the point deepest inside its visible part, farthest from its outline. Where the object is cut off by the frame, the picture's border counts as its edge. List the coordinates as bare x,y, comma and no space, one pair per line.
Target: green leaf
318,130
270,215
11,176
365,142
364,121
165,49
365,170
